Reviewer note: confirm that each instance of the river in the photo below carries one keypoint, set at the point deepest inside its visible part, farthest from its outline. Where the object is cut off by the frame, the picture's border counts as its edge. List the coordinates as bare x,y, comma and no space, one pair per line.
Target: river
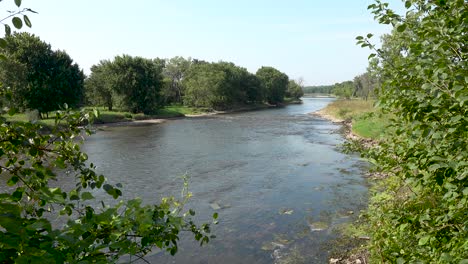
281,184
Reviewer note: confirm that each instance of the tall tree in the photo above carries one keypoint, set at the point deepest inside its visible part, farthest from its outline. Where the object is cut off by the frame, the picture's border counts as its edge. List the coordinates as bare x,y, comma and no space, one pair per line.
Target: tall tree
39,77
99,86
176,69
205,87
274,82
139,82
294,90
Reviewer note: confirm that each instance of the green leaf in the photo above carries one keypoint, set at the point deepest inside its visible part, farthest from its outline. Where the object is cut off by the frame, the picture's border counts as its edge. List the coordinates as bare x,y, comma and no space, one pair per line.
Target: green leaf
12,111
401,28
13,180
18,194
424,240
3,43
87,196
408,4
370,35
18,3
7,30
27,21
17,22
215,216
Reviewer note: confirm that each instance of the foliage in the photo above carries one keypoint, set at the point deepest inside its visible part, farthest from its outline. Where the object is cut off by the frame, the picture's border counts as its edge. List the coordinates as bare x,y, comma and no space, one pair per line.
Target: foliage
274,83
220,86
294,90
39,77
205,87
322,89
421,216
175,69
99,86
344,89
365,85
31,159
131,83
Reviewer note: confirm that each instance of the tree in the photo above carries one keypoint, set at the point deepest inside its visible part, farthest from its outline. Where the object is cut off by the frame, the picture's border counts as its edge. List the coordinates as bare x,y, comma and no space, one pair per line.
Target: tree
39,77
94,232
323,89
344,89
205,87
99,86
221,85
138,81
421,217
274,82
294,90
176,69
365,85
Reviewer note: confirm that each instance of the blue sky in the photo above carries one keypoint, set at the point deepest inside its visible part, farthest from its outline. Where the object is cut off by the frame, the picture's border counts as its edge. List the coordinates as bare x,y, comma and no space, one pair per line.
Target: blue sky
302,38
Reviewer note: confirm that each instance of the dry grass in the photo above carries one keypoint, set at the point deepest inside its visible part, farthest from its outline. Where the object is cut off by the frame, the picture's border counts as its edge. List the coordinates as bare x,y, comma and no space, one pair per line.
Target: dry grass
348,109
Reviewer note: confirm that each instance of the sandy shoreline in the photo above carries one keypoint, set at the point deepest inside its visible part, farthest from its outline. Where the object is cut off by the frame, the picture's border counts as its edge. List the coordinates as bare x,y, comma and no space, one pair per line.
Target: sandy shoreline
151,121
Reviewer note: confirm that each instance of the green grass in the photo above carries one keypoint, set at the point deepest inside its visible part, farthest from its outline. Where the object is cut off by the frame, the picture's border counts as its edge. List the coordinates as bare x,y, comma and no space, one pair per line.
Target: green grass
367,121
372,125
349,109
106,116
185,110
24,117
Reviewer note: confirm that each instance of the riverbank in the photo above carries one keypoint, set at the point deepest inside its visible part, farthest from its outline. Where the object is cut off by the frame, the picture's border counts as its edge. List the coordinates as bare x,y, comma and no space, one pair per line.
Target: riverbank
364,125
360,117
110,118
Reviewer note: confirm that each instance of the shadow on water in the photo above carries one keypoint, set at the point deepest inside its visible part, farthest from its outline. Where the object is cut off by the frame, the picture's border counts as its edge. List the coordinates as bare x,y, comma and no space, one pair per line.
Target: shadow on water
276,177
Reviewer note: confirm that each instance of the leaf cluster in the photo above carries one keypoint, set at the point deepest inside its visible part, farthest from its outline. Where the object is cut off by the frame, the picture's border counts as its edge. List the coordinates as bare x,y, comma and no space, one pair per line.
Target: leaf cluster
420,215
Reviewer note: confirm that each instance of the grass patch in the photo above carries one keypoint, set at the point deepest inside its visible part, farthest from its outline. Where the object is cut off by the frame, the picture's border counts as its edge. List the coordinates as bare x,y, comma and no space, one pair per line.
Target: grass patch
370,125
106,116
349,109
26,117
184,110
368,121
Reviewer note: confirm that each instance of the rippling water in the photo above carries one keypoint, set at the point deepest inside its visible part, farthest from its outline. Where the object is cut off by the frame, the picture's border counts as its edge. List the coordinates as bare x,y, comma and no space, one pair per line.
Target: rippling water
277,174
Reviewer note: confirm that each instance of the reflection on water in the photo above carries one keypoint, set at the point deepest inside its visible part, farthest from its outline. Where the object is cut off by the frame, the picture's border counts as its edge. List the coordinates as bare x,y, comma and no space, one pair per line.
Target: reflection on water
276,175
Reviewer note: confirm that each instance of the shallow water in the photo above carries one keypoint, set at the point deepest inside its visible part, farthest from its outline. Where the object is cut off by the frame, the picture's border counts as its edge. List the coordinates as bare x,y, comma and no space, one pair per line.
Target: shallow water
277,174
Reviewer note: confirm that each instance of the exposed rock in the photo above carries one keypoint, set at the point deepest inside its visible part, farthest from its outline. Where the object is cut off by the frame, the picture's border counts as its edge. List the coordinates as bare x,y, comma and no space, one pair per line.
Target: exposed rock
215,206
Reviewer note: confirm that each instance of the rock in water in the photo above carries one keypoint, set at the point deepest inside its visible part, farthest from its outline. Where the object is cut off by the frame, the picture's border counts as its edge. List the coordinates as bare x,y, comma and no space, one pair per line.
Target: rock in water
215,206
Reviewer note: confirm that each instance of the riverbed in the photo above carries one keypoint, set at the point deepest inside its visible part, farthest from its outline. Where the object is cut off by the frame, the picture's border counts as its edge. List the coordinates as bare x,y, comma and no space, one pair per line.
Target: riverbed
276,177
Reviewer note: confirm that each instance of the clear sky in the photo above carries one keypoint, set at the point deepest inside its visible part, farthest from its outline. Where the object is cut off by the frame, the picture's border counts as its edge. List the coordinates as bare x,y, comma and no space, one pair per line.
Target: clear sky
303,38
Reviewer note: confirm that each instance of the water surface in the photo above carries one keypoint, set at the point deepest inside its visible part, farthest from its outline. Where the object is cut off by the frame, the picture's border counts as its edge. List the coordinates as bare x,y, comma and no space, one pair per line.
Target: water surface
278,176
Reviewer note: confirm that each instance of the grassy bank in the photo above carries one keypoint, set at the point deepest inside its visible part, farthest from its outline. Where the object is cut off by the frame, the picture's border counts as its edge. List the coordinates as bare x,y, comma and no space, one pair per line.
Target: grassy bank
367,121
117,116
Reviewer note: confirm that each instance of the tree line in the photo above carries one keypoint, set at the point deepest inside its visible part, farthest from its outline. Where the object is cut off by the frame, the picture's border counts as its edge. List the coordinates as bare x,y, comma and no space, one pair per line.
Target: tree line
91,230
44,79
363,86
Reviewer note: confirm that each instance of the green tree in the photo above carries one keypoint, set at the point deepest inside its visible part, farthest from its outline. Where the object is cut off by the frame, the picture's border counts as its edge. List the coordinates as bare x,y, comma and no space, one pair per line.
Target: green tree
94,232
274,83
99,86
323,89
221,85
176,69
139,82
205,86
294,90
422,215
39,77
344,89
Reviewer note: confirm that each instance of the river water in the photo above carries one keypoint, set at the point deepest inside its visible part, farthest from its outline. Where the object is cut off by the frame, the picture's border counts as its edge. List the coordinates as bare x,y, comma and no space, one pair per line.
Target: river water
276,177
